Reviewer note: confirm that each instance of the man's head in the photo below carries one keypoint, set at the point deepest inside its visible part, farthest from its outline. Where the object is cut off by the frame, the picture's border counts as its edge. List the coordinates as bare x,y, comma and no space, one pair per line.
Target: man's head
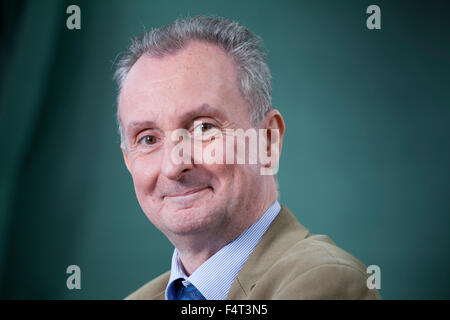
207,76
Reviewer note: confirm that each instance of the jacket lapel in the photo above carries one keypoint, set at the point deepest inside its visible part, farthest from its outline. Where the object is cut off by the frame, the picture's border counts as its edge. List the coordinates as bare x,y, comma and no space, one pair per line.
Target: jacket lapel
283,233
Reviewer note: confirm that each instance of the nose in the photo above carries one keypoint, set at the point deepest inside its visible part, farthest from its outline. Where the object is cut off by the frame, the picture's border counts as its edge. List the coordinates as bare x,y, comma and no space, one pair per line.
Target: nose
176,159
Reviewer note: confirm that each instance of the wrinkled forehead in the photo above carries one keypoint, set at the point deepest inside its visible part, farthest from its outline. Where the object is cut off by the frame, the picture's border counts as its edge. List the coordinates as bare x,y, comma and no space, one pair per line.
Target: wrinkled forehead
201,73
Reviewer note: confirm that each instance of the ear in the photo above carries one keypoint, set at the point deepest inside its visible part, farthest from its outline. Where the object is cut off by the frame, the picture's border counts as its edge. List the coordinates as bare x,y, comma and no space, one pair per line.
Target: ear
274,121
125,157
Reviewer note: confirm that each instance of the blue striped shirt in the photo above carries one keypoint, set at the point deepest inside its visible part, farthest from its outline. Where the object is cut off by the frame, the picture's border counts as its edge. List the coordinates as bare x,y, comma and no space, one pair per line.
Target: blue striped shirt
216,275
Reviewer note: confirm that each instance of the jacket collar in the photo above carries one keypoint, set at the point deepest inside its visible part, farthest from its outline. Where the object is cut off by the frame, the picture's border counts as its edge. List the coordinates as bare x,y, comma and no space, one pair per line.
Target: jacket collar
282,234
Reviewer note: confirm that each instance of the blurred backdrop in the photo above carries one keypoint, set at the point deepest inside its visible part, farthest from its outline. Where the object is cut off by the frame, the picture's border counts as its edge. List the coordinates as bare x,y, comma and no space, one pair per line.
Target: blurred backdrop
365,160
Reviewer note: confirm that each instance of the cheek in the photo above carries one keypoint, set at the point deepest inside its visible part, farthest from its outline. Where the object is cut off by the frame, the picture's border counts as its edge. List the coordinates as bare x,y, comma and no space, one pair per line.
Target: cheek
230,160
232,178
144,174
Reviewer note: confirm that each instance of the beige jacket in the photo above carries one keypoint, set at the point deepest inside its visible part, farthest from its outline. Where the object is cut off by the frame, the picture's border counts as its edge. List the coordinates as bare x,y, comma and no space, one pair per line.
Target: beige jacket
289,263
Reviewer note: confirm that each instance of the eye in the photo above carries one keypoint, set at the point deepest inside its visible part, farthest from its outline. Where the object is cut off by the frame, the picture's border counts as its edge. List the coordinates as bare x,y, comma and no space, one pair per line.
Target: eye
148,140
204,127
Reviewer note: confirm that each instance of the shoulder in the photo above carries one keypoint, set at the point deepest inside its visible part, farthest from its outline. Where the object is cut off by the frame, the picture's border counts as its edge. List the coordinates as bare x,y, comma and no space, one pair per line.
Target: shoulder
315,251
152,290
315,268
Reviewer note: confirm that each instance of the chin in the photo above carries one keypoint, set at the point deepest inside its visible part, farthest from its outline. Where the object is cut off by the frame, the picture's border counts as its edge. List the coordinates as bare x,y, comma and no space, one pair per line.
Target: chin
192,220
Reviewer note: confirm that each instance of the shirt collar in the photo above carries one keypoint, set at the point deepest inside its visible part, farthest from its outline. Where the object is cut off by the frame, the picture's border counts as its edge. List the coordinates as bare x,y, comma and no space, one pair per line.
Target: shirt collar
216,275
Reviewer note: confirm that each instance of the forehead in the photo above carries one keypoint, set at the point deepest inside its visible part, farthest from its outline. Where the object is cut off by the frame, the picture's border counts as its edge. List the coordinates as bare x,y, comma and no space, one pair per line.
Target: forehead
161,88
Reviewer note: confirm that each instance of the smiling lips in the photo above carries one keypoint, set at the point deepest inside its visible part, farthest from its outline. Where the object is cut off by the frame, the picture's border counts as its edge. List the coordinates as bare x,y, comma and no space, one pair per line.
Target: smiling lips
187,193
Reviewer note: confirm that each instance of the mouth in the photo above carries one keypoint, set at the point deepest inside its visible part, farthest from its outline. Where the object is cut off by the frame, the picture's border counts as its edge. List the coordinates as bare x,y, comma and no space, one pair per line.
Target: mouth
187,194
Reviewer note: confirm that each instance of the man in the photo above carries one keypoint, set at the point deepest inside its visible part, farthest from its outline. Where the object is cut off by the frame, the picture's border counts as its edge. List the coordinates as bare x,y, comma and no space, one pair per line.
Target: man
205,80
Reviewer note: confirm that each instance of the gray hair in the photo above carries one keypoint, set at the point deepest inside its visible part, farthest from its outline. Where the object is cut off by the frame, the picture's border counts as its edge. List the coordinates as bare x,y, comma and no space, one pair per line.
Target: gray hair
244,47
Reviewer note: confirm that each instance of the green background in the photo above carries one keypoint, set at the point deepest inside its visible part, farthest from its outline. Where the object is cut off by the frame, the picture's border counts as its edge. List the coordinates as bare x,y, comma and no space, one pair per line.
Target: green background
366,155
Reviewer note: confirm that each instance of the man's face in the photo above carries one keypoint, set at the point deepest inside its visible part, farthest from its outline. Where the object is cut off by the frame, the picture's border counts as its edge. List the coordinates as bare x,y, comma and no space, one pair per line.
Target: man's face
160,95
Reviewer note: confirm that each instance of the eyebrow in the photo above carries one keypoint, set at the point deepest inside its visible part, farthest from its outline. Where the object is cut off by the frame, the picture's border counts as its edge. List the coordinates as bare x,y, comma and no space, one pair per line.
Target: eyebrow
137,125
203,110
